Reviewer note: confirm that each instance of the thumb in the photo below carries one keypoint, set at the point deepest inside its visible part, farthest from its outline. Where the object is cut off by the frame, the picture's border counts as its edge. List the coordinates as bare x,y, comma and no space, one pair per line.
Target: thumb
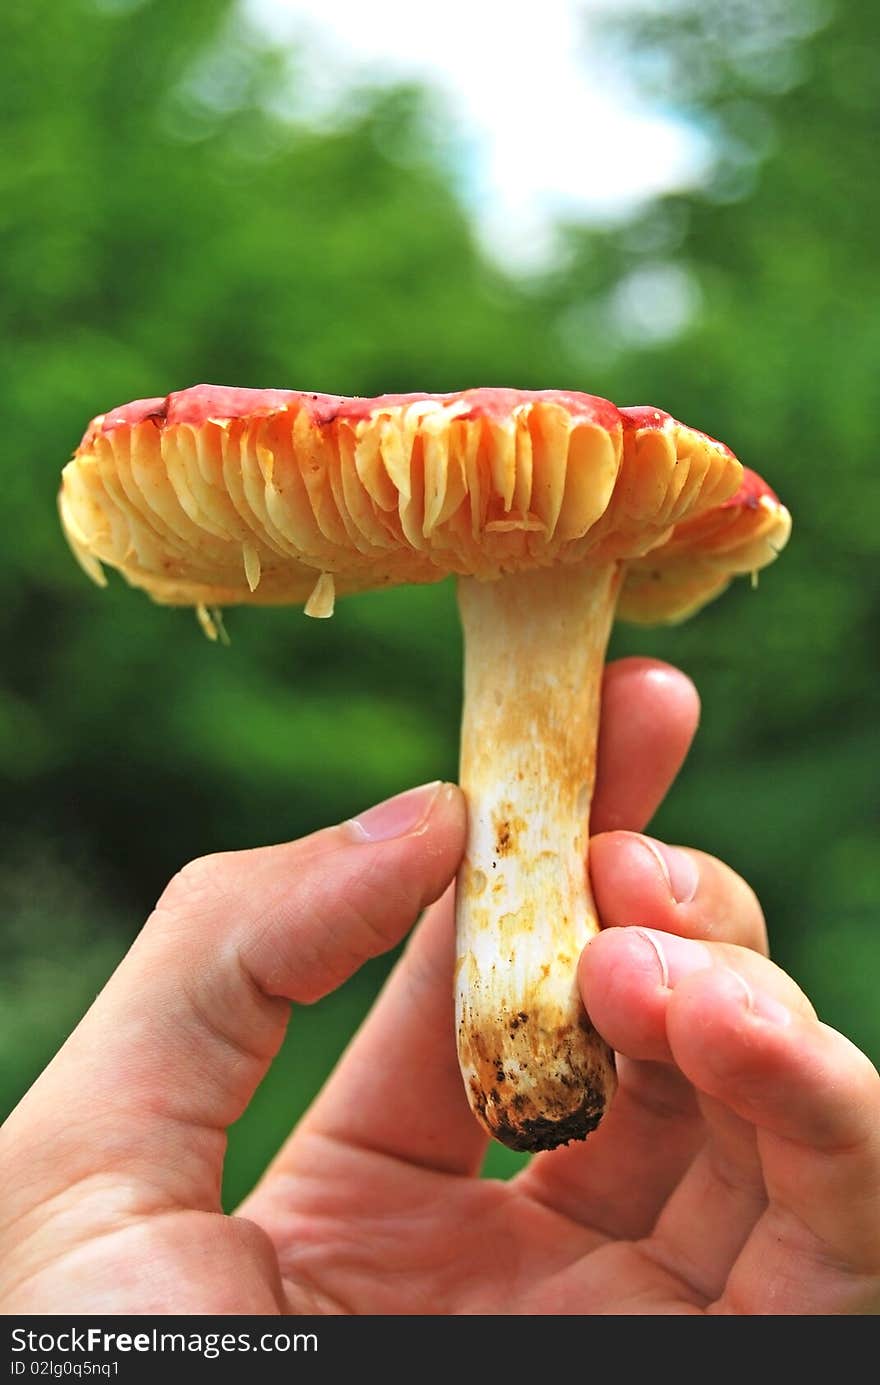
174,1047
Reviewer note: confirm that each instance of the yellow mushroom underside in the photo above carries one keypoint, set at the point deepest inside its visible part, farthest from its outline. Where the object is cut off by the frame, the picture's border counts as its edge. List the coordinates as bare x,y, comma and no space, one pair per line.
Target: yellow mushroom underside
256,510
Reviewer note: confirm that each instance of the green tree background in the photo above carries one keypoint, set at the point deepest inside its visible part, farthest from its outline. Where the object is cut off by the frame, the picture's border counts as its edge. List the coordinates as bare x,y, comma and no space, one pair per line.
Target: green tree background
167,218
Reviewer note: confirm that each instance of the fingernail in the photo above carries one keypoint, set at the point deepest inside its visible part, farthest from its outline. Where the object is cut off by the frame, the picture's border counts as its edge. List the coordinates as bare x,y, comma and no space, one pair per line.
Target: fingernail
676,957
762,1005
659,955
397,816
679,867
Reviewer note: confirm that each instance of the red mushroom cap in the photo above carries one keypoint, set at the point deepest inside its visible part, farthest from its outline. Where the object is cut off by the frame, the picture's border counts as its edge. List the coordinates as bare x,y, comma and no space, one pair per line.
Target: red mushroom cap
217,495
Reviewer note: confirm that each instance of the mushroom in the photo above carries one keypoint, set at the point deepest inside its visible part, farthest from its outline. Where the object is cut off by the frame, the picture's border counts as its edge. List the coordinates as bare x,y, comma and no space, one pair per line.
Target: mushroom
553,509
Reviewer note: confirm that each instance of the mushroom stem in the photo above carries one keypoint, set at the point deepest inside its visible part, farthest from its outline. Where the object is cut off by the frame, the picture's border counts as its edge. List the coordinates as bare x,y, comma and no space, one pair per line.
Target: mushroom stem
536,1072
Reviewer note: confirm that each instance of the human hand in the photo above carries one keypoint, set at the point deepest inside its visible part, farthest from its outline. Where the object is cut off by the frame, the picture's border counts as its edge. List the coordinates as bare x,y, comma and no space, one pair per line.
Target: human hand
737,1171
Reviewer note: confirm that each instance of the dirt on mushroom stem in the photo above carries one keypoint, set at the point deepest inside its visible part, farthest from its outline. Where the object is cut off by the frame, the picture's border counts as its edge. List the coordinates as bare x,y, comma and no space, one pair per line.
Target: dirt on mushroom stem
536,1072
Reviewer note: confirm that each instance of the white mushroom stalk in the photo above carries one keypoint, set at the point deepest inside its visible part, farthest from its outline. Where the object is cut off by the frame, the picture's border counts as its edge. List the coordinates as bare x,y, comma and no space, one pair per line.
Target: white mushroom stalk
536,1072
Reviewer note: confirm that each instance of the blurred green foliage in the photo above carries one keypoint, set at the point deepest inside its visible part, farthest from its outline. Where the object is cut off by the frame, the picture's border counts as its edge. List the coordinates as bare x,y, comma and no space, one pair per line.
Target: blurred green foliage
166,218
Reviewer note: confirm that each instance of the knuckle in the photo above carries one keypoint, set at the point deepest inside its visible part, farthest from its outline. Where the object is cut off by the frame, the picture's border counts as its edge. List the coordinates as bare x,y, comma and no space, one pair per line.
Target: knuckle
200,887
736,913
863,1077
753,922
